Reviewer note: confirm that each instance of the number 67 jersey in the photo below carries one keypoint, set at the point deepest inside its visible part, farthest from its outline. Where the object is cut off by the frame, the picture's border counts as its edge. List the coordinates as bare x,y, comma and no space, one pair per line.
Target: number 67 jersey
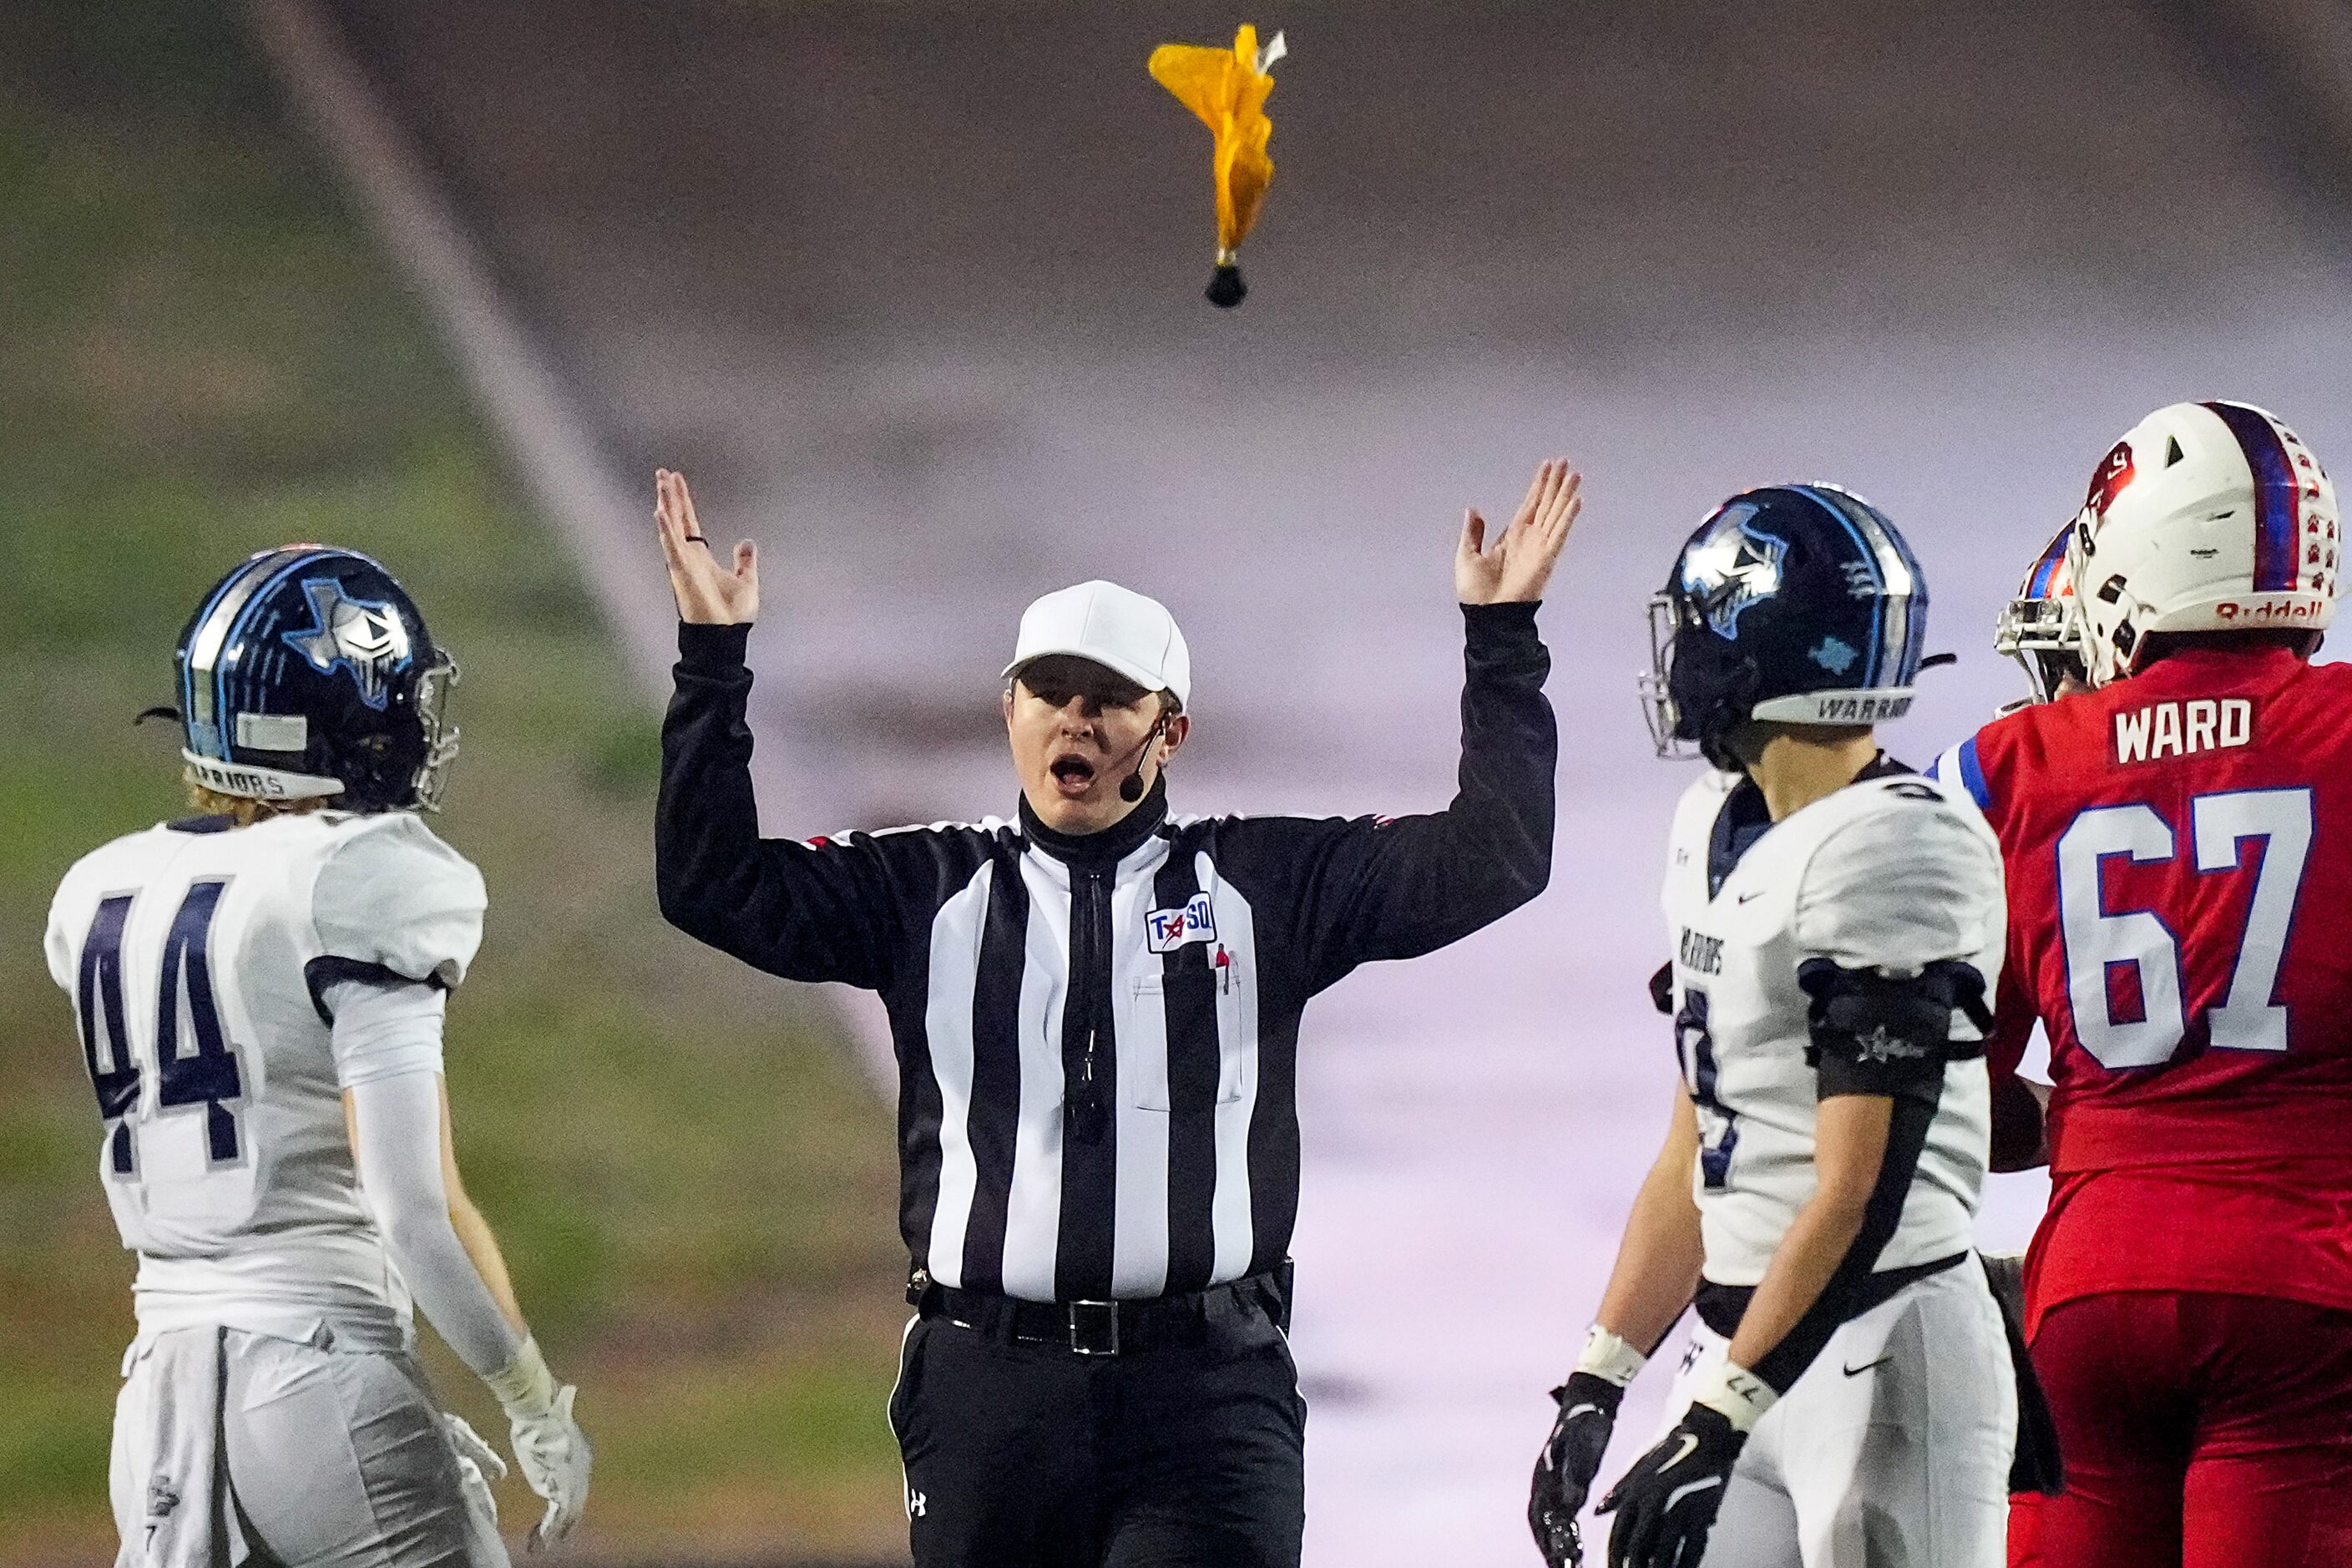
2178,852
200,958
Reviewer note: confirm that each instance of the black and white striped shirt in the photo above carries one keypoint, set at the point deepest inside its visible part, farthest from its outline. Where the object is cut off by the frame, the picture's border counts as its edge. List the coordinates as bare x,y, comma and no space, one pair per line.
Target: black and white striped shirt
1097,1036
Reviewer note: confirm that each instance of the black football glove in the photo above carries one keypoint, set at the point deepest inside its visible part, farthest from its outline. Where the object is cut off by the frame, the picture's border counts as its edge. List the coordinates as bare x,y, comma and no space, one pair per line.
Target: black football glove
1667,1503
1564,1470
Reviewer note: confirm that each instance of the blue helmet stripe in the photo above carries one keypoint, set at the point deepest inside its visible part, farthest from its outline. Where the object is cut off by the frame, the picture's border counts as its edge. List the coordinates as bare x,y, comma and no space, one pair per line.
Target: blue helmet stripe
1878,577
2037,586
245,611
1898,619
1914,607
2278,507
188,665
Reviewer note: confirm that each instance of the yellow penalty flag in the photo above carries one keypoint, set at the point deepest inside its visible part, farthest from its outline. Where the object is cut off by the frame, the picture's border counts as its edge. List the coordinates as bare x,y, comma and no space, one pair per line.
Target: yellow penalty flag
1227,89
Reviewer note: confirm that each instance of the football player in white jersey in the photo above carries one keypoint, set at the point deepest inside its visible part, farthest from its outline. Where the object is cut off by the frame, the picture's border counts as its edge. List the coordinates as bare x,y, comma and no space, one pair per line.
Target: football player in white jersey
260,992
1847,1399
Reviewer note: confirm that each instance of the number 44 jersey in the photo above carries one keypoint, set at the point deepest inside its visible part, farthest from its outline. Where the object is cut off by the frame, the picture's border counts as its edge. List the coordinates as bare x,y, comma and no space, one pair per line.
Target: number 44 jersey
200,959
1887,874
2178,847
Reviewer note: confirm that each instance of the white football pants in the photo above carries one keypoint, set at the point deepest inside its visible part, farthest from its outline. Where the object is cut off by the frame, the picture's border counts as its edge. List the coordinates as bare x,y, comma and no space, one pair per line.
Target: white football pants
308,1456
1892,1449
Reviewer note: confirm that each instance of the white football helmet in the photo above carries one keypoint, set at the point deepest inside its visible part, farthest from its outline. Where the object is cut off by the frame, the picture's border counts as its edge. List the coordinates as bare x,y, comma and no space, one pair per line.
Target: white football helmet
2206,517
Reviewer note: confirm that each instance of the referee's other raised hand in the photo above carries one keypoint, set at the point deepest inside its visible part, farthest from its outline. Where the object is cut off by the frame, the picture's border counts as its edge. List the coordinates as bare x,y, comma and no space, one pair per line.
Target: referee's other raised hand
1519,565
707,592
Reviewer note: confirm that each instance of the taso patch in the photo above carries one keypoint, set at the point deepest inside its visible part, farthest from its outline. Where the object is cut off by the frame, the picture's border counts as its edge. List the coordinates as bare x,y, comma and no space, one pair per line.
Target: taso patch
1167,929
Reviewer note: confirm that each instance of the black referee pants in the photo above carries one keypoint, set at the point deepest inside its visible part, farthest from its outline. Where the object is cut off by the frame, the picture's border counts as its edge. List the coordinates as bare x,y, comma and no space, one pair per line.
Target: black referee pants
1182,1454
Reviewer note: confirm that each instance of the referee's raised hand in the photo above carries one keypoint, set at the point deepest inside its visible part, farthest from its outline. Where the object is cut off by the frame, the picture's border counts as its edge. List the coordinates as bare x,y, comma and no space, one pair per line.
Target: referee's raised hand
1515,570
707,592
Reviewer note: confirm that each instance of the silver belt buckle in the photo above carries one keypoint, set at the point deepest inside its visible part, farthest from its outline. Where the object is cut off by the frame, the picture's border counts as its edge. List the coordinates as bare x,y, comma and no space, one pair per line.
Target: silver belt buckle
1094,1327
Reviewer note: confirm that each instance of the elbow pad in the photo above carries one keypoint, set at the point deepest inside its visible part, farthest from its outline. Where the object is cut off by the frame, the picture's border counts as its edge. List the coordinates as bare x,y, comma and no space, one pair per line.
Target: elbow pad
1884,1035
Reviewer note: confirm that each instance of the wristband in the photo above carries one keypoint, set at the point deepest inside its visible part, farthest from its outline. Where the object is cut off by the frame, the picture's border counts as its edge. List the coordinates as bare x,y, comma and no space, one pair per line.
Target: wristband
1610,1358
1738,1395
524,1385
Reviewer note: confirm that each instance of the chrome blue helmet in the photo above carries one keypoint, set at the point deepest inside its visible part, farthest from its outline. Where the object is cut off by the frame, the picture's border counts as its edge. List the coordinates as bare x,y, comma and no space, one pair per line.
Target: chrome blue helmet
1796,604
308,672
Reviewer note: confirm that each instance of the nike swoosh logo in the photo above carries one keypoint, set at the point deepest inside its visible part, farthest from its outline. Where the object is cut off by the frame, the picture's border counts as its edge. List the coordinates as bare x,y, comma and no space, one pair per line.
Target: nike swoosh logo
1745,896
1866,1366
1574,1411
1681,1492
1690,1446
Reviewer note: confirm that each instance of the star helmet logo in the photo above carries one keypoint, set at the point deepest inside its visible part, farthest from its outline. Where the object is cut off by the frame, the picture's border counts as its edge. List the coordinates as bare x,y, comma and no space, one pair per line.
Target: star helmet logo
1732,567
361,636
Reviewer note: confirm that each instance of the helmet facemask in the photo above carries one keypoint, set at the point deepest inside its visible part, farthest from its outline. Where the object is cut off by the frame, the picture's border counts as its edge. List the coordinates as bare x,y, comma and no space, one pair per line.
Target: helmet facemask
1657,685
1699,691
440,736
2039,628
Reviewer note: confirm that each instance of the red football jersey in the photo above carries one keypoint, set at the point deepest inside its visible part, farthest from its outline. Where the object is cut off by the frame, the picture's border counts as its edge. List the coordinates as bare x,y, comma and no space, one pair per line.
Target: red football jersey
2179,848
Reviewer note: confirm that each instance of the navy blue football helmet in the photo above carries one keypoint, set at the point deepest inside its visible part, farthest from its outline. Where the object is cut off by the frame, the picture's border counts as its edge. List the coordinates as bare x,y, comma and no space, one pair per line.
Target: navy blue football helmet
1799,604
307,672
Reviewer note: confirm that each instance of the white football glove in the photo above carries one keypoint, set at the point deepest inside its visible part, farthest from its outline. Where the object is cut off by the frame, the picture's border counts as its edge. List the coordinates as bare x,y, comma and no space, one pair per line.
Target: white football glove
475,1460
478,1465
547,1443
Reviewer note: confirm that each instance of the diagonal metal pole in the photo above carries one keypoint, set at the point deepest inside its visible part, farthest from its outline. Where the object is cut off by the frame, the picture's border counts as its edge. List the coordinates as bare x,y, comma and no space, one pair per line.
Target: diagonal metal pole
569,472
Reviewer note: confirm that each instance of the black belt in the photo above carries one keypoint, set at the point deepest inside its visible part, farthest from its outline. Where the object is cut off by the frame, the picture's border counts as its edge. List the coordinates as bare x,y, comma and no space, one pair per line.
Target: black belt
1720,1307
1103,1328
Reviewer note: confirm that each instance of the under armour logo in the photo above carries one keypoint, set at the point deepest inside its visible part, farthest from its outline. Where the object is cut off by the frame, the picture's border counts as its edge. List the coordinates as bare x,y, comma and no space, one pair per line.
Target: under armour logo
915,1503
361,635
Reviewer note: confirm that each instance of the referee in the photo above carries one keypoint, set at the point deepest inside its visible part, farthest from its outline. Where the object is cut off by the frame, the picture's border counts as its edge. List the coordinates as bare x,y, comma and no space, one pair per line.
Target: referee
1095,1007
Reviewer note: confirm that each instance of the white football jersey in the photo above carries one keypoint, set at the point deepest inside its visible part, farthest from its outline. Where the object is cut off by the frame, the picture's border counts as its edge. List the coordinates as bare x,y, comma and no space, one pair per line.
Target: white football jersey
197,955
1883,873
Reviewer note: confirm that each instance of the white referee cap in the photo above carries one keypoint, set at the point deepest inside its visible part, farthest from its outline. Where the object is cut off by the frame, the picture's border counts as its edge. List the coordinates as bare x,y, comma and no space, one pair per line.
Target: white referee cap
1115,627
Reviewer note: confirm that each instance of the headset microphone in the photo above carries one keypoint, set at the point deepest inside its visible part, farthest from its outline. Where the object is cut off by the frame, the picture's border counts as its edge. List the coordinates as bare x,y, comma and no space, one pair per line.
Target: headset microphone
1131,788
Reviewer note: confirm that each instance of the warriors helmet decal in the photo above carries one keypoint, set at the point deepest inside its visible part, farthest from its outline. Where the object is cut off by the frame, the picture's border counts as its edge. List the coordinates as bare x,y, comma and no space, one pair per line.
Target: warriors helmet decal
1733,567
362,637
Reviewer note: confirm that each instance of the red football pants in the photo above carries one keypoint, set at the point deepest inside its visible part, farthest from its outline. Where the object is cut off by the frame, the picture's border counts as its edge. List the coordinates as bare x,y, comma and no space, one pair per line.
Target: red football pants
2199,1430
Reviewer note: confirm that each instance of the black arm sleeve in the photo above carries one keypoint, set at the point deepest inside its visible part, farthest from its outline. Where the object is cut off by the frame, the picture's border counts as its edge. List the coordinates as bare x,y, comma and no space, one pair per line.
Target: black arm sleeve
1874,1034
1375,888
818,910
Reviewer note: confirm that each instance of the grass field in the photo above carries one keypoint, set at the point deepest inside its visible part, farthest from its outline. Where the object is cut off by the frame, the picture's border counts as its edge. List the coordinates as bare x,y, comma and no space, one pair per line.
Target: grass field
200,355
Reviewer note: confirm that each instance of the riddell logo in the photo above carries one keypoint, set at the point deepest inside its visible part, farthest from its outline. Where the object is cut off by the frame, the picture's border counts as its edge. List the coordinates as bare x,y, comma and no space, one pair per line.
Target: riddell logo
2270,612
